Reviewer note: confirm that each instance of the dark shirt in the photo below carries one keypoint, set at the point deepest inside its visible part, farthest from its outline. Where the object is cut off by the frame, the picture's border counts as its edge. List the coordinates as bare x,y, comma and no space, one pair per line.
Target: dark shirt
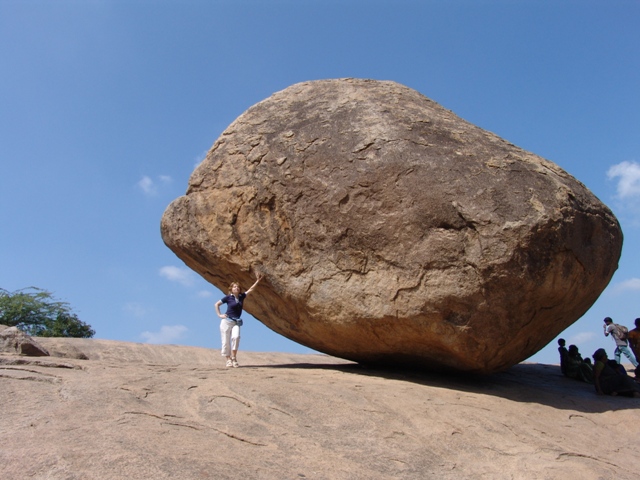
634,341
564,355
234,307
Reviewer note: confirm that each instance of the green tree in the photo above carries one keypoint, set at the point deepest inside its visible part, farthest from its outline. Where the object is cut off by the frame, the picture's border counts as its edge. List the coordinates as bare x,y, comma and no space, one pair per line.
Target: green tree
37,313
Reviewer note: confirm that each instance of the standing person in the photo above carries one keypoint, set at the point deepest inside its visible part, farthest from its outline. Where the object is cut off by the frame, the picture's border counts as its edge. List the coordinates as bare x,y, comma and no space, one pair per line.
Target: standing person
564,354
231,321
634,338
634,343
621,344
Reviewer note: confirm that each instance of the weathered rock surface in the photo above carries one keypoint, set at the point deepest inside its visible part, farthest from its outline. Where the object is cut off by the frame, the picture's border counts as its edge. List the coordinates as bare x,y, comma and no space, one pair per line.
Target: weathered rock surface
14,340
163,411
390,230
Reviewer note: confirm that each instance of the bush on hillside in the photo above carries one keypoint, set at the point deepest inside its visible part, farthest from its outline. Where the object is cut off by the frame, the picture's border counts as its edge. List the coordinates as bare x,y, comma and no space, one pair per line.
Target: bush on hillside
37,313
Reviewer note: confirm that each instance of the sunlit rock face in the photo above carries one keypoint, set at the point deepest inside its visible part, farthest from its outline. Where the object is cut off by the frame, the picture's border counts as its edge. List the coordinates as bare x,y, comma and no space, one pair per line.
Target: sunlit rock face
391,231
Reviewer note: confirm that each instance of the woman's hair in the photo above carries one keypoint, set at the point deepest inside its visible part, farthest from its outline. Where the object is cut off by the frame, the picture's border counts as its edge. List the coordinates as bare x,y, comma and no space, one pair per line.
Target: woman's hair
599,354
232,284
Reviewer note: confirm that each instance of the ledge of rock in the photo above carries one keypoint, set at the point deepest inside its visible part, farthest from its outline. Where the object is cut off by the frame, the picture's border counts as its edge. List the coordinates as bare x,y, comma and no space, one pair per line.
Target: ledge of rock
14,340
391,231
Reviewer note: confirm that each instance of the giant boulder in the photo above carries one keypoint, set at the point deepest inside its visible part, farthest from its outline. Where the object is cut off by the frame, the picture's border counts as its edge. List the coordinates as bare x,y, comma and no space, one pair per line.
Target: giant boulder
391,231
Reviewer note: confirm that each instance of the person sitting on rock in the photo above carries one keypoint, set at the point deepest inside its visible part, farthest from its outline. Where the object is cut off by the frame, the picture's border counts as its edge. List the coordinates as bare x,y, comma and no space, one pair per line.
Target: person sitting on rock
617,367
576,367
231,321
610,382
563,355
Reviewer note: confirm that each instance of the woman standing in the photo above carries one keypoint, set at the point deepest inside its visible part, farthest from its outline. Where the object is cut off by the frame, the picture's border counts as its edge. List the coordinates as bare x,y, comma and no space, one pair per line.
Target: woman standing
231,321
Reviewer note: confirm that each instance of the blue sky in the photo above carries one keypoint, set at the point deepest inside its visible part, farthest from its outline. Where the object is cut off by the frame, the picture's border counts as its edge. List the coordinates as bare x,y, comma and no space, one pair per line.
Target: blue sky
106,107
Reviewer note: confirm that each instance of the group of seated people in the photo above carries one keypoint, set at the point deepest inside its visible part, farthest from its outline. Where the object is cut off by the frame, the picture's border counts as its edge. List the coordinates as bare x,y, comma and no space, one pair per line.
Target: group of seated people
607,375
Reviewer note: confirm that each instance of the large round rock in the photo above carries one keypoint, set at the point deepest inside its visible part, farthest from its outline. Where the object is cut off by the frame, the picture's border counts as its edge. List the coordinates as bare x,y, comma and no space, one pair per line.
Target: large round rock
391,231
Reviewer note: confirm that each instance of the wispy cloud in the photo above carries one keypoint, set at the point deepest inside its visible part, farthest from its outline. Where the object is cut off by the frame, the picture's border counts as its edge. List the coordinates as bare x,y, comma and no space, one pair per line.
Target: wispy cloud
628,175
135,309
205,294
200,158
150,187
631,285
182,275
147,186
167,334
581,338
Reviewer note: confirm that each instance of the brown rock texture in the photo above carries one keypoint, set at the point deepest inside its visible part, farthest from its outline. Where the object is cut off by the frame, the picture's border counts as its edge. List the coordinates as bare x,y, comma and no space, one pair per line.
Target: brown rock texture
14,340
391,231
162,411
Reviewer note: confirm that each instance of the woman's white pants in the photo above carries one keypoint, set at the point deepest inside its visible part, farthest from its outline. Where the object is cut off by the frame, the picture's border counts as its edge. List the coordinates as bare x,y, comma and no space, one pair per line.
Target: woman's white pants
230,334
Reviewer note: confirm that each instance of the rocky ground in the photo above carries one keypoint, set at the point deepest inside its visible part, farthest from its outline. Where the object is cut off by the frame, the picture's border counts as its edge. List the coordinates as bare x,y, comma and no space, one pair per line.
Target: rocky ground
141,411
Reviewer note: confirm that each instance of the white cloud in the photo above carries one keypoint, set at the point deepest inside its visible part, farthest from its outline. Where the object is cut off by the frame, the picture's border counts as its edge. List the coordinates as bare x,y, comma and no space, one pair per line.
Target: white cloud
205,294
149,187
135,309
581,338
200,158
181,275
167,334
629,183
633,284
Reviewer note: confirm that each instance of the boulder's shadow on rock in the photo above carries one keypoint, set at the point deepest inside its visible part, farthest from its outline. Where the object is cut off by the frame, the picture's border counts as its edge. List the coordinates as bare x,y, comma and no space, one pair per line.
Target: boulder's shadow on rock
525,382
